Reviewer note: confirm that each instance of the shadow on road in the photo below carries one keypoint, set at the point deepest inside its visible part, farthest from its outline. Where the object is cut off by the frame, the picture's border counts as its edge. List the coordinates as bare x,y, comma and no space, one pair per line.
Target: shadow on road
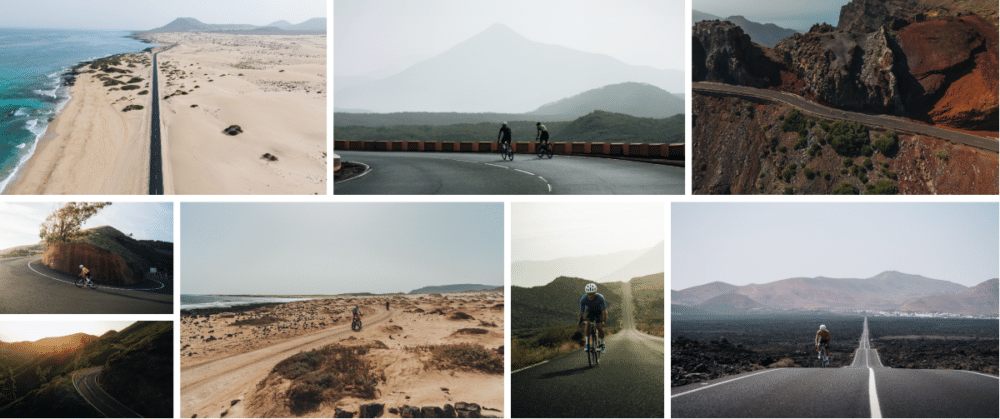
134,297
565,373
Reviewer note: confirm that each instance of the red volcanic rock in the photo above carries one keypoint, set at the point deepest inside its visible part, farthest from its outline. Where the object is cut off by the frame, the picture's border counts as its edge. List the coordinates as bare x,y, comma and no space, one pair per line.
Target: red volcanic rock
953,72
105,267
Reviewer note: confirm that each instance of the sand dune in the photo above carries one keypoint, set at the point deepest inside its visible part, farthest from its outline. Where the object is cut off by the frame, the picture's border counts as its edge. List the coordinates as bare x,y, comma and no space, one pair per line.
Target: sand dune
273,87
228,369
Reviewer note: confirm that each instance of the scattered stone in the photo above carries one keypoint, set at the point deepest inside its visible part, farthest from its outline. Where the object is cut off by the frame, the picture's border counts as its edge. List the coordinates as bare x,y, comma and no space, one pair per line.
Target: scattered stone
340,413
432,412
410,411
449,411
233,130
233,403
372,410
269,157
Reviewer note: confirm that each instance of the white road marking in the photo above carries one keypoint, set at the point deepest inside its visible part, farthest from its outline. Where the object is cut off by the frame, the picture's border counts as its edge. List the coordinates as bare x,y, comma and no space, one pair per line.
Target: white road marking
550,187
496,165
724,382
102,286
522,171
873,395
979,373
529,366
368,169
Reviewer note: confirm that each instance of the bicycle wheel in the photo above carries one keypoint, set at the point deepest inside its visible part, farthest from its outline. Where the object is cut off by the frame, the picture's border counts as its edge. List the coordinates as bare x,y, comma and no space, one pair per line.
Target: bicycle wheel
510,153
92,285
540,151
79,283
548,151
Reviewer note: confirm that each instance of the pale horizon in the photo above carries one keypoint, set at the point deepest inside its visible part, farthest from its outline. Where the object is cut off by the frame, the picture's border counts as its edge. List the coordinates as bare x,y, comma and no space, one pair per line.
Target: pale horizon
756,243
21,221
791,14
32,331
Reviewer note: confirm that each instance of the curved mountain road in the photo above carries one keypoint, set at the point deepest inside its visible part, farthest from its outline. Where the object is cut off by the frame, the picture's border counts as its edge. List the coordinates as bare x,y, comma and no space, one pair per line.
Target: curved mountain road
888,122
863,389
627,383
433,173
85,382
207,388
28,287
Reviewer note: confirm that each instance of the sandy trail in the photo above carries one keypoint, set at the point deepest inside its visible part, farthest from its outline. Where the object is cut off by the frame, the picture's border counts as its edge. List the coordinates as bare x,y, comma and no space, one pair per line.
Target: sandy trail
208,388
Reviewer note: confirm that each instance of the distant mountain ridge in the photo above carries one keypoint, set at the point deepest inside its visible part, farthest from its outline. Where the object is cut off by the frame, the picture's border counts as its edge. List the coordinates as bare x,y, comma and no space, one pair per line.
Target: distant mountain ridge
497,70
630,98
978,300
606,267
888,291
46,346
766,34
453,288
190,24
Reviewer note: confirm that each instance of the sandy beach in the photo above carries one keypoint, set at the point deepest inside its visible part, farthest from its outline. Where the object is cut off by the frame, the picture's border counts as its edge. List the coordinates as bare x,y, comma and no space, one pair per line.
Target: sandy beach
272,86
92,147
228,369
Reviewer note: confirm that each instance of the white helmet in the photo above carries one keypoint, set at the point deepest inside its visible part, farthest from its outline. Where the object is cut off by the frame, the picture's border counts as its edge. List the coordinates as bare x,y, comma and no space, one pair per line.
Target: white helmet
822,327
590,288
81,266
505,123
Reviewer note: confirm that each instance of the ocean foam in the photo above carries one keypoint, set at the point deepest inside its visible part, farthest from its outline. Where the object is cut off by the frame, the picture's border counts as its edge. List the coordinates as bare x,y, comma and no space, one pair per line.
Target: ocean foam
20,112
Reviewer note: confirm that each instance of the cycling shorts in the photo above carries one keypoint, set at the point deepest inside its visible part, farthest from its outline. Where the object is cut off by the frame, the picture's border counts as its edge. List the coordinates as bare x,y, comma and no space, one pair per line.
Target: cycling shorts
505,140
823,343
594,316
544,137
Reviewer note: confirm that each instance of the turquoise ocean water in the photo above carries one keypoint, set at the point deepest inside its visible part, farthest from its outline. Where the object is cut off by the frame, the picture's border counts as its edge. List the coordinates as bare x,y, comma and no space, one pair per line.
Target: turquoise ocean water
32,62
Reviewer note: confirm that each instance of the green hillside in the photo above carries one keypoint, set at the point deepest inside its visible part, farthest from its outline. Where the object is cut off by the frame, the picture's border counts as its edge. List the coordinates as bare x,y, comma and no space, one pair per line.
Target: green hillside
600,126
635,99
647,297
558,302
140,255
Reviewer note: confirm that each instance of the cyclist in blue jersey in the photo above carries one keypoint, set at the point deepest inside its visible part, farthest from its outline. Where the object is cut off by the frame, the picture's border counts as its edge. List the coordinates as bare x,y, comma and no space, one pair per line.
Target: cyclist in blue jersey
595,308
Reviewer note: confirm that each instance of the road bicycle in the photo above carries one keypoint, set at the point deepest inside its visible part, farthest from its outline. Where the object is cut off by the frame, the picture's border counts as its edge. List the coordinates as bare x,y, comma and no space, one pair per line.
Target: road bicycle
506,151
544,149
824,361
593,351
356,324
84,281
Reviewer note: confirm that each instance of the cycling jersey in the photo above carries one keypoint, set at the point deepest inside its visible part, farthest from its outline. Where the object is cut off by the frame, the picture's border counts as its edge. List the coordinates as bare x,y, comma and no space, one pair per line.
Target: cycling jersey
597,305
823,336
542,133
85,272
506,134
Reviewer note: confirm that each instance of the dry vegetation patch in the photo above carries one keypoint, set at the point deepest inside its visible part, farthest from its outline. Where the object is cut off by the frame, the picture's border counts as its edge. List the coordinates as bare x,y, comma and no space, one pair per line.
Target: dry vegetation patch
329,374
261,321
462,356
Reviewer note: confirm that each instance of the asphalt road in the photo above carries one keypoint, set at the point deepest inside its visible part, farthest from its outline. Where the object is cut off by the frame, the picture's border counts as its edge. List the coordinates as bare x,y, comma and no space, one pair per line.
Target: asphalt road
627,383
28,287
155,151
896,124
863,389
431,173
85,382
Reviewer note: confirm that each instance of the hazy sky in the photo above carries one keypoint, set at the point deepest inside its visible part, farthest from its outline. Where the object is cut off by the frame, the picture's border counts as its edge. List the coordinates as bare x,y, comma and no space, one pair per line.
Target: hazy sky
793,14
333,248
20,222
546,231
32,331
146,14
743,243
372,36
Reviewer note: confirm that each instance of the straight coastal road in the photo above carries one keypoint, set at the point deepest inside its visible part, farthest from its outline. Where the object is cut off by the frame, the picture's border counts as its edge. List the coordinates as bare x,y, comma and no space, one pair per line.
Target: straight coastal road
896,124
28,287
85,382
208,388
155,151
427,173
627,383
863,389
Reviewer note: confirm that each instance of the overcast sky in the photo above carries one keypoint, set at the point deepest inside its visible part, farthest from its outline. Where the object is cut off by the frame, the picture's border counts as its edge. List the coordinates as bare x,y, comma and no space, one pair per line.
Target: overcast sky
743,243
333,248
20,222
793,14
383,35
146,14
31,331
547,231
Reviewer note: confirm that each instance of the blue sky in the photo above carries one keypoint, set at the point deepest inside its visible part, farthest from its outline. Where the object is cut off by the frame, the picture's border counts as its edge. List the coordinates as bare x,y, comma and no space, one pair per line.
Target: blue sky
144,15
20,222
793,14
34,330
332,248
743,243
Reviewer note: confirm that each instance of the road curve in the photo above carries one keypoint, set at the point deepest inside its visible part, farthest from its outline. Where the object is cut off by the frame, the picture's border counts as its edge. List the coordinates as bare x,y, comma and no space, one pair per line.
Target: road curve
813,108
435,173
207,388
32,288
85,382
627,383
155,151
863,389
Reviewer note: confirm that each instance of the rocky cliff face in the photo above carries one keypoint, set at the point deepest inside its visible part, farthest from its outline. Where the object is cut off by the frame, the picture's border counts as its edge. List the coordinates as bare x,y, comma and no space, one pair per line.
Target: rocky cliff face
733,154
721,52
105,267
865,16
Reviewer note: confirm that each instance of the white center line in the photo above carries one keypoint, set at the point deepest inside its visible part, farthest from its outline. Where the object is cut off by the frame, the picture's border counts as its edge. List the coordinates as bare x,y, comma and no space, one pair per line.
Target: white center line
522,171
496,165
873,395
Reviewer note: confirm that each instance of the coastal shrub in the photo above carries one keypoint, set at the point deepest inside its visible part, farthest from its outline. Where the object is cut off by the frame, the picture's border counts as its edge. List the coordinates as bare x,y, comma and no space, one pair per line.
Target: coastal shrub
772,142
889,173
800,144
848,162
261,321
144,92
941,154
843,171
849,139
111,82
194,106
131,87
863,178
761,175
825,125
867,163
787,174
782,149
465,356
702,166
132,108
749,109
810,173
882,187
887,143
826,175
134,80
794,122
789,190
815,149
845,188
328,374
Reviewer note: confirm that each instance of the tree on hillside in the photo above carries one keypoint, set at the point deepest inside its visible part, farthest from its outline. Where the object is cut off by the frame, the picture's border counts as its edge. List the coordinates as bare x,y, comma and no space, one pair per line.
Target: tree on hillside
64,224
8,388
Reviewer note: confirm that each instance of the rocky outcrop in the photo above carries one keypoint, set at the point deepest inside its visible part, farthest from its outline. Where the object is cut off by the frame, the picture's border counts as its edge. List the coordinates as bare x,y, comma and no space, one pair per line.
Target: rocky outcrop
864,16
721,52
105,267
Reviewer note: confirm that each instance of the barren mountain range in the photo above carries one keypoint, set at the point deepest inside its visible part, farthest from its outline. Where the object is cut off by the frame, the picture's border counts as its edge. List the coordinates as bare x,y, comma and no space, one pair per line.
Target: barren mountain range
618,266
887,291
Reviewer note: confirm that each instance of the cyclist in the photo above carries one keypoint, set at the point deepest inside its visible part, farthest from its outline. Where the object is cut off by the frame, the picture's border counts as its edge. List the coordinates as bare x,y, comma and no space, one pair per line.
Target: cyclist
596,309
386,306
823,338
357,313
85,273
542,134
504,135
